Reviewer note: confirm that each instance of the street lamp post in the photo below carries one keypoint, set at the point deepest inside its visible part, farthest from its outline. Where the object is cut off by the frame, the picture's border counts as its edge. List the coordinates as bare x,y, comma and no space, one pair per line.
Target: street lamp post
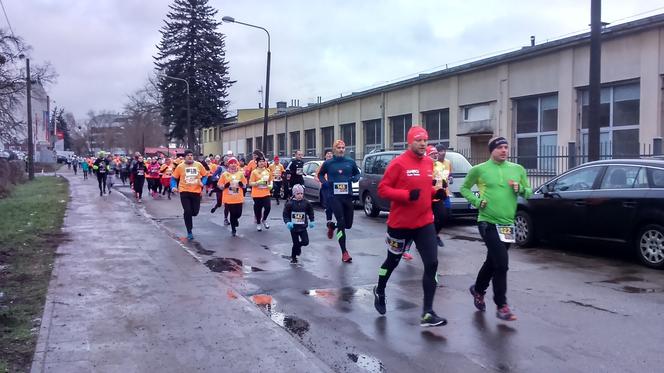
267,75
31,148
190,131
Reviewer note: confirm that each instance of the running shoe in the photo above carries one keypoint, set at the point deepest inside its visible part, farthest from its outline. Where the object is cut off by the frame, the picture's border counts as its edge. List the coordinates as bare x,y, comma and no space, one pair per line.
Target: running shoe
226,222
140,200
504,313
440,242
266,225
190,236
109,192
345,257
431,319
379,301
478,299
233,232
277,202
100,194
293,260
259,227
212,210
330,229
407,256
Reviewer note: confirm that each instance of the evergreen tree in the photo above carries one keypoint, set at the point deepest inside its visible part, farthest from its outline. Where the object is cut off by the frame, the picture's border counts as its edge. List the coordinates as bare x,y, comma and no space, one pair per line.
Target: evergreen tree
192,49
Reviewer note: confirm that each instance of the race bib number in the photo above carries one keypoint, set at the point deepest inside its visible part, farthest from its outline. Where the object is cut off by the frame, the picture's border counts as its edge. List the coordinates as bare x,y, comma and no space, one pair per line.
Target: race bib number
277,176
298,218
298,171
140,172
341,188
395,245
191,175
506,233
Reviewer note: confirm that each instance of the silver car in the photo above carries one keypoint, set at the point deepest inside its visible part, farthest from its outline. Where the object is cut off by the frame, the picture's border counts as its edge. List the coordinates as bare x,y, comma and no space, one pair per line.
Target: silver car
312,185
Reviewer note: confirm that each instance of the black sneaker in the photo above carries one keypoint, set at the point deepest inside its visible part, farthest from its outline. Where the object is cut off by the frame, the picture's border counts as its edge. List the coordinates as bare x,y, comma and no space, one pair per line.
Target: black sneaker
379,301
226,222
233,232
431,319
478,299
211,211
293,260
440,242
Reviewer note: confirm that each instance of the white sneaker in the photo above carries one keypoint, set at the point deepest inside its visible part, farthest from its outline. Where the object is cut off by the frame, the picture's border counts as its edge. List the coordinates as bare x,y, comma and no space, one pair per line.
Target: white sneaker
258,227
265,224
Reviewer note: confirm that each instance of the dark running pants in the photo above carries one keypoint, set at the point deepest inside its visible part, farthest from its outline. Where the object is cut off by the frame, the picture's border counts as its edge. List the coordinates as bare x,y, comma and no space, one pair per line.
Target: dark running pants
191,204
262,208
495,266
101,180
300,238
425,241
235,210
343,211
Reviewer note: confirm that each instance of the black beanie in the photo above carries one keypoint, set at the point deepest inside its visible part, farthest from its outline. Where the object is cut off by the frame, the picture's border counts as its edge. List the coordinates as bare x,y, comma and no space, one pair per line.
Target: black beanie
495,142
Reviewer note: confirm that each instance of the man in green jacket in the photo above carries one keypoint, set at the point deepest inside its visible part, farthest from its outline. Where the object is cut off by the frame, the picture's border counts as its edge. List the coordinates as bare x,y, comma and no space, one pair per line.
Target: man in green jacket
500,182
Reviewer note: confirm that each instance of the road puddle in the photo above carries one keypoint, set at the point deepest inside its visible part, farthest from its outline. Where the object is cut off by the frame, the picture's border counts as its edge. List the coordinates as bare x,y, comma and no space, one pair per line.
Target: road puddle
367,362
200,249
222,265
295,325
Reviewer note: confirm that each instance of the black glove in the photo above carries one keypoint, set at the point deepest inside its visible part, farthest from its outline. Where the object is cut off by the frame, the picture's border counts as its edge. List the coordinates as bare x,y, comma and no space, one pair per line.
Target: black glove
414,194
227,185
434,182
240,185
440,194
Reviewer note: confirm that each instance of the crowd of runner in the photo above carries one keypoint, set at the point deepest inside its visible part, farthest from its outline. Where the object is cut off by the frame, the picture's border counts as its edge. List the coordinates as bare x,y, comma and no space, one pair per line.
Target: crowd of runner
416,184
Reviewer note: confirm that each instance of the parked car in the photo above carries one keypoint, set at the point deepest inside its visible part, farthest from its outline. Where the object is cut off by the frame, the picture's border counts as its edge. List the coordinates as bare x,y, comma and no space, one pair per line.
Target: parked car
614,201
375,164
312,185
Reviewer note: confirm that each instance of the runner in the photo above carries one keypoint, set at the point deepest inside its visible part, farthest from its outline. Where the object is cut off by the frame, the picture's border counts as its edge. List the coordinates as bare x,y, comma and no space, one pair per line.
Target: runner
85,168
442,169
326,195
74,164
111,168
166,172
295,215
261,187
232,182
408,184
138,175
188,179
125,170
153,177
277,170
215,188
295,174
339,173
500,183
100,169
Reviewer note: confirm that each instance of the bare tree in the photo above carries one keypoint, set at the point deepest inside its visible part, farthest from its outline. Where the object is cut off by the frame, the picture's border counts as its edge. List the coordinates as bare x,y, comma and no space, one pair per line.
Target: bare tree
144,112
13,85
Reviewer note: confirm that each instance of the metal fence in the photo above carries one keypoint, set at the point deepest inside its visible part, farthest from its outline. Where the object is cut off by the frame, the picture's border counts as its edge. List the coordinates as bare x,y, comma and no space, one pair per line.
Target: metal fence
554,160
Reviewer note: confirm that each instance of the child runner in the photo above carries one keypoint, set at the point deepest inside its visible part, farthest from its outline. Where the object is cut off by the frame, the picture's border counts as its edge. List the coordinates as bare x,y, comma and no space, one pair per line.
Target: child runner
295,215
166,172
232,182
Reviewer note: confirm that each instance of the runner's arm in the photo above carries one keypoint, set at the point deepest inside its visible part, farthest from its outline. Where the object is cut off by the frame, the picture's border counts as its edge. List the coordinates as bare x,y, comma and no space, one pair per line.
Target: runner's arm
386,187
310,212
322,172
470,180
525,190
287,212
356,173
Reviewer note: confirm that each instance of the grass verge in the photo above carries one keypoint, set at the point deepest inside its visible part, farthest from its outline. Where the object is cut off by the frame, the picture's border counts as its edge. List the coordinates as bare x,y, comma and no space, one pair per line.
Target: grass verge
30,231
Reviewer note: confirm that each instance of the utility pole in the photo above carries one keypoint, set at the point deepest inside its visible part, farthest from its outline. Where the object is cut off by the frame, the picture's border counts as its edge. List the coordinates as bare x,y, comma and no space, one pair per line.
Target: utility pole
31,146
594,79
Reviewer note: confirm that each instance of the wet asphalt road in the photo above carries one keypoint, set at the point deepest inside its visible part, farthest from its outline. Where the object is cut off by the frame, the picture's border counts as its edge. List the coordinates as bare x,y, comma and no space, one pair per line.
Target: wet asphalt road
579,309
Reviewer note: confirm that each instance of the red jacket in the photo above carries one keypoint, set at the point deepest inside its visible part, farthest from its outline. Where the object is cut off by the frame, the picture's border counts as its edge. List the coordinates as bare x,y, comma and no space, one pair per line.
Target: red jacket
405,173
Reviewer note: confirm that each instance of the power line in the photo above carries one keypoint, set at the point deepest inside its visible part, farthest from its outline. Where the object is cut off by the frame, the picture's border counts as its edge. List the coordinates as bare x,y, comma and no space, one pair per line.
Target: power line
7,18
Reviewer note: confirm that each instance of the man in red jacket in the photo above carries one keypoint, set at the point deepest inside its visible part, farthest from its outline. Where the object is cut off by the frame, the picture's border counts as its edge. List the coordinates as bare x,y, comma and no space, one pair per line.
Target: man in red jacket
408,184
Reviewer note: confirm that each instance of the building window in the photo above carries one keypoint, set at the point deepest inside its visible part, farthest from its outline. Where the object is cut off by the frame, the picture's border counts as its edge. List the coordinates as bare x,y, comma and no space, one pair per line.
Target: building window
281,144
373,135
214,138
536,132
400,126
269,146
437,124
327,135
476,112
348,136
294,141
250,146
310,142
619,121
259,143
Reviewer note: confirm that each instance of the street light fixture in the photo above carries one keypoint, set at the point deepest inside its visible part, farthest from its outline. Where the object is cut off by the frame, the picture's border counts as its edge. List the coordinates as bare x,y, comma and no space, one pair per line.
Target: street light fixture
28,86
190,131
228,19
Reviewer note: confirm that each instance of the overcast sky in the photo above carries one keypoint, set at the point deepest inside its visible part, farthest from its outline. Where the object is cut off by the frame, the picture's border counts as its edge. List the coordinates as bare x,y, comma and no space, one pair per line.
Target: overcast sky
102,49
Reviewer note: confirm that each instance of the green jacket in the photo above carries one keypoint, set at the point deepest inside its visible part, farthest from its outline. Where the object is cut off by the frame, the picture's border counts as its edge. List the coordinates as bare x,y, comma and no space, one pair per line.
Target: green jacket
493,181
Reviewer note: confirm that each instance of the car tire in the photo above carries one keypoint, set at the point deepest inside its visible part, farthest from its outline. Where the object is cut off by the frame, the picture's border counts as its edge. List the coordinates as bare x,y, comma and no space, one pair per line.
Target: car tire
369,205
649,246
525,230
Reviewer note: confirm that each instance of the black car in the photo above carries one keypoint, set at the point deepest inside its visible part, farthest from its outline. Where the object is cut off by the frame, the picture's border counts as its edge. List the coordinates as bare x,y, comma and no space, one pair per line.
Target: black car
615,201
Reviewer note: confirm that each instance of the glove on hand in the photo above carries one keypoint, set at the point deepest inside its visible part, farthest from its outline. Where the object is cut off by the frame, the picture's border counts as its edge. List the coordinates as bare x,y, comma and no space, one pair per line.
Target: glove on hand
414,195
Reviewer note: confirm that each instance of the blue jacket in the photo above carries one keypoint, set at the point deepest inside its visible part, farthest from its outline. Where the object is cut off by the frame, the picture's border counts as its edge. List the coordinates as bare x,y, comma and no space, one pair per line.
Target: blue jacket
339,171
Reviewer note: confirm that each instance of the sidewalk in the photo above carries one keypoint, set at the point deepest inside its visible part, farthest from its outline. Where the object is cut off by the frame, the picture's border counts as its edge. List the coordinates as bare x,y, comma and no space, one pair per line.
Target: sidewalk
125,297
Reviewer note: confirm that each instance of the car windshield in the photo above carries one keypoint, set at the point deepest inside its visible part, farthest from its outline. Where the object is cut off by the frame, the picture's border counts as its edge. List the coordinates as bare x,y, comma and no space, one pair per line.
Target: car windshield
460,164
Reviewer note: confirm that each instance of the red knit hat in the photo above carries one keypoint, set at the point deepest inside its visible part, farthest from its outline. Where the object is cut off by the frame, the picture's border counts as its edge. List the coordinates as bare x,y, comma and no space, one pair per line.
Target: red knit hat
417,133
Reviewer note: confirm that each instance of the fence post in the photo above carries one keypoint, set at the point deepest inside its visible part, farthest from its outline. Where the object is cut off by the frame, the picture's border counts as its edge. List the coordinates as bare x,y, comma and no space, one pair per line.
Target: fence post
657,146
571,154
